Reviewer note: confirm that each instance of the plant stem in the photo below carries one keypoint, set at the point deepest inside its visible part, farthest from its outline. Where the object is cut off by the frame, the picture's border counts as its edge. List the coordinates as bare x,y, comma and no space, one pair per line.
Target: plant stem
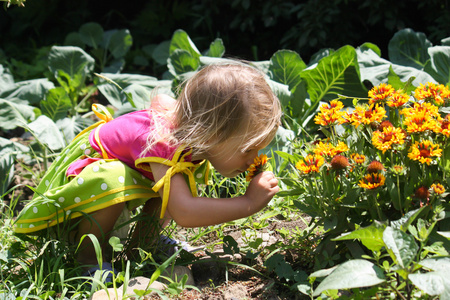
377,207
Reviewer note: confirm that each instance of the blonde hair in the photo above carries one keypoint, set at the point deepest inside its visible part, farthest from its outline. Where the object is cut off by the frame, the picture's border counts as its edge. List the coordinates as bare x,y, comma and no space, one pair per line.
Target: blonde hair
222,101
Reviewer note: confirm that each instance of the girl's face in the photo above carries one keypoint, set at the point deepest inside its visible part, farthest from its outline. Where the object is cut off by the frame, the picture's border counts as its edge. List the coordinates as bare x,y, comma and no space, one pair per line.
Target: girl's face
229,160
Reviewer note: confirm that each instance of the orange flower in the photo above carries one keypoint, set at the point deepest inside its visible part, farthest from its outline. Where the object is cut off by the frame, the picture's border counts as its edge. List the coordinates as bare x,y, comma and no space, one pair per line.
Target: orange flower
444,128
380,93
389,136
397,99
397,169
358,158
326,149
424,151
433,93
330,114
421,117
310,163
438,188
372,181
364,115
256,167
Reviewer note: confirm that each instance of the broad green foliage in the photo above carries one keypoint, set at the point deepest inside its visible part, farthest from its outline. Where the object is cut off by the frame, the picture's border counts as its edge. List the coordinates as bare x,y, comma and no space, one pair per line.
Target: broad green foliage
405,247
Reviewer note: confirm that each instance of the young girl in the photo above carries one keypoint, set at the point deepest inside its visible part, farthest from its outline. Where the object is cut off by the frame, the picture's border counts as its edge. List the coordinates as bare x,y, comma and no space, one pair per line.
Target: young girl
224,115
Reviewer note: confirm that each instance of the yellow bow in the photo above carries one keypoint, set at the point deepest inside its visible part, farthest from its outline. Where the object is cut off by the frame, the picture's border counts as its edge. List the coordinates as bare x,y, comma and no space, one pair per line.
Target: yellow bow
176,165
102,113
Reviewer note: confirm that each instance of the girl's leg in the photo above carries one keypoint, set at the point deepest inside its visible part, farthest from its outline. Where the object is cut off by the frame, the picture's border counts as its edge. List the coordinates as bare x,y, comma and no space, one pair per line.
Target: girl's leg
100,224
147,230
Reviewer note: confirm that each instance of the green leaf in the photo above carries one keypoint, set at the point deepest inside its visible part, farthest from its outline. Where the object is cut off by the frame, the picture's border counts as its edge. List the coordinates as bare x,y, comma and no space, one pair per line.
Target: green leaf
355,273
57,104
216,49
376,69
436,263
371,46
282,268
333,75
433,283
14,113
119,43
370,236
181,41
46,131
73,61
401,246
91,34
182,61
409,48
72,126
285,67
230,246
114,241
439,64
161,53
398,84
32,91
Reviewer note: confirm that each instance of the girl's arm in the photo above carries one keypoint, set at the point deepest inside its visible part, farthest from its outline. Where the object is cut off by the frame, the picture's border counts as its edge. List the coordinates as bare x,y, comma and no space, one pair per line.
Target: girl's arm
190,211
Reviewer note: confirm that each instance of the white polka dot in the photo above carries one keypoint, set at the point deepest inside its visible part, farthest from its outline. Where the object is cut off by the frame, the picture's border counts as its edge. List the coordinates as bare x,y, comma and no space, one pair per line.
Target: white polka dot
56,168
31,226
35,210
65,159
61,199
80,180
57,158
82,147
87,151
199,175
68,212
95,168
135,181
92,196
121,179
104,186
126,195
47,182
50,187
77,199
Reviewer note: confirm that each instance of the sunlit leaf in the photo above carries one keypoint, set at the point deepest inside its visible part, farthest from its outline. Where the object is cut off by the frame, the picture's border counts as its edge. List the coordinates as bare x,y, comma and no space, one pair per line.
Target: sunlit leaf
409,48
352,274
333,75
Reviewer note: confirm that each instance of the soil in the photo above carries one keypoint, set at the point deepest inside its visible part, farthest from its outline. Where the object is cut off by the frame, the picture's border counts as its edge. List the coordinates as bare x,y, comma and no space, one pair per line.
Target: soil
216,279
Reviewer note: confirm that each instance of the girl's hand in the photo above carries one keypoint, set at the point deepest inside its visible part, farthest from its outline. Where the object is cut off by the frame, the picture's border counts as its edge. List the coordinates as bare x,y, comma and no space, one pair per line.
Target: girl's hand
261,190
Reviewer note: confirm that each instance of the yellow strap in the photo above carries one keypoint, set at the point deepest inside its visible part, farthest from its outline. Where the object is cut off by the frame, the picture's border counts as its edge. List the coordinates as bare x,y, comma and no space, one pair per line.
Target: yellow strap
103,115
175,167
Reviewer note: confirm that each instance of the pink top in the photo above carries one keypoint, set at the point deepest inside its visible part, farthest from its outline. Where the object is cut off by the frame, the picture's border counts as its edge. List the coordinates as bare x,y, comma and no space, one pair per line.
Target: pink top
125,138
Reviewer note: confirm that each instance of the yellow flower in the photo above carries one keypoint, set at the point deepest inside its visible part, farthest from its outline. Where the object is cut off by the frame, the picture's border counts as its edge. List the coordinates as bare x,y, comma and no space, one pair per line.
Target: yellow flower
397,99
424,151
326,149
364,115
330,114
372,181
421,117
380,93
431,92
310,163
444,126
358,158
257,166
438,188
383,140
